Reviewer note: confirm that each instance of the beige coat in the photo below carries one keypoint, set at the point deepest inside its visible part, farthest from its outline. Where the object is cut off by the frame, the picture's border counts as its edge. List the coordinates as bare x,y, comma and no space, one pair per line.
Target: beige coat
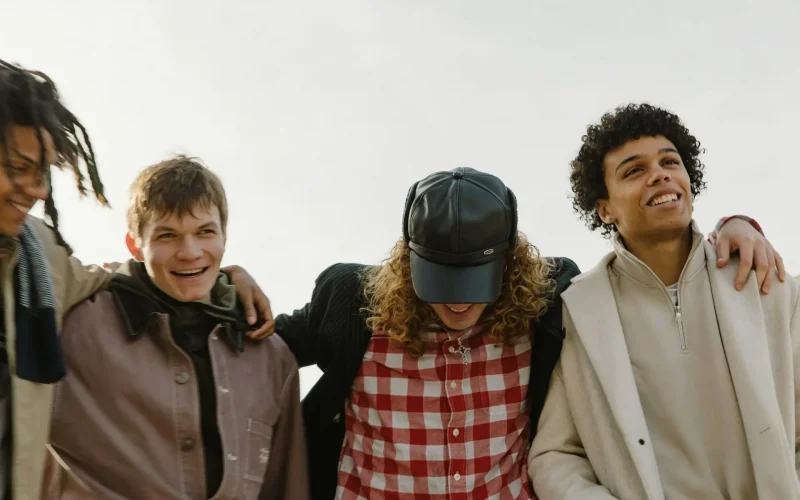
592,441
31,402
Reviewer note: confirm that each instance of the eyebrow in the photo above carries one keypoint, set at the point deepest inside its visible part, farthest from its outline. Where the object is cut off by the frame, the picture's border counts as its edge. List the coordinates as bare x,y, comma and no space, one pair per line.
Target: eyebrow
161,229
26,158
636,157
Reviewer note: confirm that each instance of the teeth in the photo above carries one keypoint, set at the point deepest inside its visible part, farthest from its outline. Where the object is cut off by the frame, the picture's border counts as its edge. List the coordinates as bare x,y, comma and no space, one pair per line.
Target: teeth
666,198
22,208
190,272
458,310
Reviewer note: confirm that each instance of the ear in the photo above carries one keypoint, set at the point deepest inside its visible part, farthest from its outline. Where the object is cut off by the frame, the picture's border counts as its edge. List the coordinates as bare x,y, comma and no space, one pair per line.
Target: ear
604,211
133,248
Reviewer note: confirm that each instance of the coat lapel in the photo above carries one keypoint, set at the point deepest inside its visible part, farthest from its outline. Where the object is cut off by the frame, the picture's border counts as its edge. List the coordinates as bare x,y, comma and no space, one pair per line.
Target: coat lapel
744,337
593,310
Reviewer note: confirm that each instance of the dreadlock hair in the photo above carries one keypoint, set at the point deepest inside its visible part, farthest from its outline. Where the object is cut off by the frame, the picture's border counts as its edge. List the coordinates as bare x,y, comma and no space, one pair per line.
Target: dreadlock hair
30,99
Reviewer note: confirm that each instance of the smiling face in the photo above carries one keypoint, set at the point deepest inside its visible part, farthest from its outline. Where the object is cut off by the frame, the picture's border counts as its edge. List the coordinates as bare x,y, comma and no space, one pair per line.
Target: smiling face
183,253
649,190
459,316
22,180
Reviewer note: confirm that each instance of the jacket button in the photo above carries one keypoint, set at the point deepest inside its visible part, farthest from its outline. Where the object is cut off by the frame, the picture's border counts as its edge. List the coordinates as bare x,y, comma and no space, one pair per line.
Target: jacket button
187,444
182,377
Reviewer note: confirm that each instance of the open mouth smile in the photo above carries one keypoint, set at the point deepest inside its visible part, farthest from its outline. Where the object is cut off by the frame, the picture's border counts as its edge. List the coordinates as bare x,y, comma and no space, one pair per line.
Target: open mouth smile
190,273
664,199
461,310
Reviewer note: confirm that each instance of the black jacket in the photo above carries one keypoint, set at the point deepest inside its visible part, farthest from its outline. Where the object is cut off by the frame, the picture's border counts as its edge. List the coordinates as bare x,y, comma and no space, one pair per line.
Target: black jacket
330,331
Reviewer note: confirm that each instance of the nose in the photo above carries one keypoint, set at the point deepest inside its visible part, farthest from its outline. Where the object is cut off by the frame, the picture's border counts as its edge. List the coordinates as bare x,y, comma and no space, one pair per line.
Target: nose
659,176
190,250
39,191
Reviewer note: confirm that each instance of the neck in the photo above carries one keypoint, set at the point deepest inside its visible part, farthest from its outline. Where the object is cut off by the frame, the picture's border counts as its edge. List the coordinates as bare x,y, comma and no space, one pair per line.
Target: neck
665,257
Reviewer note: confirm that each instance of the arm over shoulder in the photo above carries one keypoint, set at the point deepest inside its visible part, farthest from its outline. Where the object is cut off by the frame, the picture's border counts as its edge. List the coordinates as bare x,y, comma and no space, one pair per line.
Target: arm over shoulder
73,282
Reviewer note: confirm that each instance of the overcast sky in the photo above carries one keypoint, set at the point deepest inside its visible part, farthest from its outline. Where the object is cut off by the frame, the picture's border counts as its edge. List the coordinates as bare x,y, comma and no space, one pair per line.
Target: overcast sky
318,116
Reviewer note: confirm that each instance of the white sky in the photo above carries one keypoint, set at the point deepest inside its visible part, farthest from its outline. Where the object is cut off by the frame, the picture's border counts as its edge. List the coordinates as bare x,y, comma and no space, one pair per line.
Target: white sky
319,115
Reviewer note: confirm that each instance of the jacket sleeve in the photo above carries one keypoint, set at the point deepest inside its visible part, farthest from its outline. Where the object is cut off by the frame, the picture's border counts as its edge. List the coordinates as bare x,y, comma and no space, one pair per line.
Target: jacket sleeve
287,473
73,282
294,330
309,331
557,463
795,333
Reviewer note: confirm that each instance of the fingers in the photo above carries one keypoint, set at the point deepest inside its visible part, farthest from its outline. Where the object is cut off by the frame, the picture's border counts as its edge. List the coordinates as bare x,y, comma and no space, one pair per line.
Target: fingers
262,332
745,264
723,251
779,264
246,296
262,305
763,266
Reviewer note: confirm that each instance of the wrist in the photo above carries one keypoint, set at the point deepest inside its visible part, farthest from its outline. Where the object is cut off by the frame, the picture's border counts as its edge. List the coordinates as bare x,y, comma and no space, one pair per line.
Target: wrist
714,234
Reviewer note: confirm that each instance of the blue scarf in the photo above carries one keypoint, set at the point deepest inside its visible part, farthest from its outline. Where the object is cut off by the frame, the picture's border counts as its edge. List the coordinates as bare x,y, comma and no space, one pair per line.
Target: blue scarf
38,349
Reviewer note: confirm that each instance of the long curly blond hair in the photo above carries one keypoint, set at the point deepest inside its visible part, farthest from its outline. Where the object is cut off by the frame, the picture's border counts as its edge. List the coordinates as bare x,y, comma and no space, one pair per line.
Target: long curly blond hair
395,310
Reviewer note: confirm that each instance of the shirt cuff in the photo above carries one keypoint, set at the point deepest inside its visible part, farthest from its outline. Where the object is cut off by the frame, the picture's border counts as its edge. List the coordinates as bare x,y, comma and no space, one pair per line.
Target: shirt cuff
712,237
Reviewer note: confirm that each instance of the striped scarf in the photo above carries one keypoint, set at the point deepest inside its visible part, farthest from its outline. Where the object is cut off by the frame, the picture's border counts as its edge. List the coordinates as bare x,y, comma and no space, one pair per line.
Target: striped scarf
38,350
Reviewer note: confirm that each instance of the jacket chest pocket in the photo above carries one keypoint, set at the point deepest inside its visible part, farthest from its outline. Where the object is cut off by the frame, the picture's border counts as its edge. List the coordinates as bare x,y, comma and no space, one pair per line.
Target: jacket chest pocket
257,450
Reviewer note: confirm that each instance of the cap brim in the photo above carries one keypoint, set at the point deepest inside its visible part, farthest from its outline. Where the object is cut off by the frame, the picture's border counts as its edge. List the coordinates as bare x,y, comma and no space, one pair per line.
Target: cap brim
443,284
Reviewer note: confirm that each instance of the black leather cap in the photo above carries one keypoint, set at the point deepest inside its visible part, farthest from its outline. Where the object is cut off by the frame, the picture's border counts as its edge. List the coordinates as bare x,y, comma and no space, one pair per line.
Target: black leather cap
459,226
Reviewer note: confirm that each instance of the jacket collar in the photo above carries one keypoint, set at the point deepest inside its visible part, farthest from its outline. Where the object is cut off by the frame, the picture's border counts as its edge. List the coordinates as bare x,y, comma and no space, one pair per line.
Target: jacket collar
140,308
630,265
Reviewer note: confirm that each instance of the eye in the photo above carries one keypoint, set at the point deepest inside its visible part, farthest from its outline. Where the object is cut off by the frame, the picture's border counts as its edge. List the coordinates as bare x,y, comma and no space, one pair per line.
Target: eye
20,169
165,236
632,171
207,231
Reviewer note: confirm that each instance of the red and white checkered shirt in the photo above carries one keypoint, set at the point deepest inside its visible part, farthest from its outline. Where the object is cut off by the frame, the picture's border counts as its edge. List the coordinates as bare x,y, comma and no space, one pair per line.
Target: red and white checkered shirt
445,425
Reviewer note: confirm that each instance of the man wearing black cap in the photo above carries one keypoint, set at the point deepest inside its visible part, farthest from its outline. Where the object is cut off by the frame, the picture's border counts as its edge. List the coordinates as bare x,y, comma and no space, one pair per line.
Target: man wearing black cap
433,379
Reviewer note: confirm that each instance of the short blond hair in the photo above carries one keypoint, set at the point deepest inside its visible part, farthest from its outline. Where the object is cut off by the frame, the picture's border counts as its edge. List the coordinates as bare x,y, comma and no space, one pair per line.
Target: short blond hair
175,186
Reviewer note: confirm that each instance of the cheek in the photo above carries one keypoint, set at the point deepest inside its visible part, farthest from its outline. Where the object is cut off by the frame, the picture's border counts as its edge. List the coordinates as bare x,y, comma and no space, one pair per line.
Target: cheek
6,187
215,249
685,181
156,258
621,199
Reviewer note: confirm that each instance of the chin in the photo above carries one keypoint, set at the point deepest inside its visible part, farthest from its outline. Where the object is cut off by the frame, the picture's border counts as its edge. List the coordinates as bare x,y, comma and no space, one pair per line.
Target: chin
460,323
191,295
11,230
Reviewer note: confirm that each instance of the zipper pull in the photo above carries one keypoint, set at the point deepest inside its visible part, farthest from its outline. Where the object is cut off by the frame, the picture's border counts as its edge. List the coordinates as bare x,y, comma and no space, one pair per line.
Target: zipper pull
681,333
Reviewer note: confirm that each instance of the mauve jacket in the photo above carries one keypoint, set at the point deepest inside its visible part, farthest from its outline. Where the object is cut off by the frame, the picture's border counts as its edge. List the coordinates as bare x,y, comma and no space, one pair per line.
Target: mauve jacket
126,419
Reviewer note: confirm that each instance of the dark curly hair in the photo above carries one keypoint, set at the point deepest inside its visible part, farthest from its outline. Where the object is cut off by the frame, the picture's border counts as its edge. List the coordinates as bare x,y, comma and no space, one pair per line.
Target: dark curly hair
624,124
30,99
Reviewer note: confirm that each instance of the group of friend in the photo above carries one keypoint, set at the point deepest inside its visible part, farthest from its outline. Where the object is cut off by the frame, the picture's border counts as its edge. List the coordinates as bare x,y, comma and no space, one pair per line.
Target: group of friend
465,366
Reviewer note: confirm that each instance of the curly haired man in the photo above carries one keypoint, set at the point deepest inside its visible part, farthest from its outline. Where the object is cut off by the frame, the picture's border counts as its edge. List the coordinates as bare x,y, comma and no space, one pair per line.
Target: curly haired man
436,364
670,384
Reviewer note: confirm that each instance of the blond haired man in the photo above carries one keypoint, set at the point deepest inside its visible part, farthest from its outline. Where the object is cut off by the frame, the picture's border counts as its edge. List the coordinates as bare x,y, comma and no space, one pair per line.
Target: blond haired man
166,397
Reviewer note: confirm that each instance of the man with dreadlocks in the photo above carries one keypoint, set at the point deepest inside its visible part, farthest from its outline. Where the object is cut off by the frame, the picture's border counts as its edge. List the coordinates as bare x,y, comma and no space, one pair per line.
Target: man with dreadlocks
39,279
